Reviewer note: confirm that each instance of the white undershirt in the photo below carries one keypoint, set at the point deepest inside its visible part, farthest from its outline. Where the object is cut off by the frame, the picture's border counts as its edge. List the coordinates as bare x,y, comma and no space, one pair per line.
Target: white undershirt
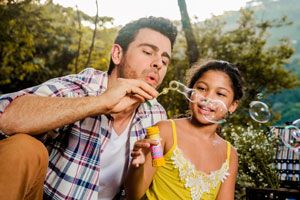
112,163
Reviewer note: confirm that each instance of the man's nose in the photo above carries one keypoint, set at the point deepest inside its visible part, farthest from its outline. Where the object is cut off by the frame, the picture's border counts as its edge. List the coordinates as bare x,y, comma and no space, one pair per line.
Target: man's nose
157,63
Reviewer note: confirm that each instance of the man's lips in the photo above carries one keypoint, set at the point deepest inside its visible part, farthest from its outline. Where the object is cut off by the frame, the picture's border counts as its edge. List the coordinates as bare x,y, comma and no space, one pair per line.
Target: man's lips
152,79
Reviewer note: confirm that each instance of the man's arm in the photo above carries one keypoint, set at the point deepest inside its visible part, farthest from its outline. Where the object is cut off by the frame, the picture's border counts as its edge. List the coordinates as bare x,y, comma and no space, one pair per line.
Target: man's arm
34,114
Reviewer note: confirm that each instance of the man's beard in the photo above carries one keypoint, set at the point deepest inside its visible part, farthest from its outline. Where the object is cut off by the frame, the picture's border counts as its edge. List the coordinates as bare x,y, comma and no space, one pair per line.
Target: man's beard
125,71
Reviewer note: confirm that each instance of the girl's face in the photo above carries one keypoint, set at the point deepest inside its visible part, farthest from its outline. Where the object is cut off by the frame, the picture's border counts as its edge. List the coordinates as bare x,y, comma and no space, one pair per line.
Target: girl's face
214,87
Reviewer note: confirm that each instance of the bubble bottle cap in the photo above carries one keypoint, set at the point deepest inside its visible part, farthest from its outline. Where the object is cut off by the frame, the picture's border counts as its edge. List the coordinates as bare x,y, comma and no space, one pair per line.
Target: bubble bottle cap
152,130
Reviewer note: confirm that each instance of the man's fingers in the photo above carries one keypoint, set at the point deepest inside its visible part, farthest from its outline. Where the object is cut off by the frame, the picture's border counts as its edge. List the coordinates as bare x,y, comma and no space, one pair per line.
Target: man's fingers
140,87
136,91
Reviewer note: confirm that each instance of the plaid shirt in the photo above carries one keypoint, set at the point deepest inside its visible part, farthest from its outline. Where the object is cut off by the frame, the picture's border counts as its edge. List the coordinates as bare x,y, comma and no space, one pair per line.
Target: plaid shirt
75,150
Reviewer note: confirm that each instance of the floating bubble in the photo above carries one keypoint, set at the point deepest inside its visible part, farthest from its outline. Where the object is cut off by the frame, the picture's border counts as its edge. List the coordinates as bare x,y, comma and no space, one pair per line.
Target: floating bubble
296,122
181,88
290,138
259,111
296,133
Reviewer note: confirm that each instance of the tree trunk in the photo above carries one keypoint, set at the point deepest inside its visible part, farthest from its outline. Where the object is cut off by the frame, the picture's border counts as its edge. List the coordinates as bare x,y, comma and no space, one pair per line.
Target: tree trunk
192,50
94,36
79,41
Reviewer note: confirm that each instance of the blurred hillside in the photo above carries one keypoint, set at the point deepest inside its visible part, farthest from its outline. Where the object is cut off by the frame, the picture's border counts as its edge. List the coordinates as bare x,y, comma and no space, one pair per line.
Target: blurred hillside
287,102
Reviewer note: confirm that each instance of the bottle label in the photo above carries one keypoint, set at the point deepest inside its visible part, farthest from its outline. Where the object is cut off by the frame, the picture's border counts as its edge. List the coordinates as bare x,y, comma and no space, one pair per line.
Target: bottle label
156,151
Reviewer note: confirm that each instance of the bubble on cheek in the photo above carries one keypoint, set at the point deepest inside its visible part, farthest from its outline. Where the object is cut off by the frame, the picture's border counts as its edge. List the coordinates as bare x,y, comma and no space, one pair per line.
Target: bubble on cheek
217,111
214,111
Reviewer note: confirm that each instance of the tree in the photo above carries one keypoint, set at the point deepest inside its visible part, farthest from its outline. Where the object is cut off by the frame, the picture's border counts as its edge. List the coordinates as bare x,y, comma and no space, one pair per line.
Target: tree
94,36
39,42
192,49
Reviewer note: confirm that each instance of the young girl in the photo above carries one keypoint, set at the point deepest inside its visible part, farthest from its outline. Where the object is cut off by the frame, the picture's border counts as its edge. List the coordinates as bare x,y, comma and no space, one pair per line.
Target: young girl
199,164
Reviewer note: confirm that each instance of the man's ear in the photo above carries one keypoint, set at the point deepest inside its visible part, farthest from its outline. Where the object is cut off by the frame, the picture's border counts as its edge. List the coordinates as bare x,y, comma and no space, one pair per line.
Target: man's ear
116,54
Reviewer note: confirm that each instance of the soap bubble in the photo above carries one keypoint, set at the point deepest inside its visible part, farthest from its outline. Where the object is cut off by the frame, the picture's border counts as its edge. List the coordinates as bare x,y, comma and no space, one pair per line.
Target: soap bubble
259,111
212,110
296,122
296,133
217,110
181,88
291,139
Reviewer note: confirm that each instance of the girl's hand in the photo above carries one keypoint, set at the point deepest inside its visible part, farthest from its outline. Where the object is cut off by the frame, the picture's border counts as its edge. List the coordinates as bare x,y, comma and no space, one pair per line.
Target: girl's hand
140,150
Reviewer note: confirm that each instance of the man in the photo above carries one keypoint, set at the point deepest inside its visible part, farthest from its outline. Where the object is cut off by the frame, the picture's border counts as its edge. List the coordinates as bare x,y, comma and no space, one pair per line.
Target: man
92,120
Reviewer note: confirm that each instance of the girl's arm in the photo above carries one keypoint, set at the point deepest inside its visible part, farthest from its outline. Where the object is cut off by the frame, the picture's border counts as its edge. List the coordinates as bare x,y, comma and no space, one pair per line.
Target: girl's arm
228,187
139,176
141,172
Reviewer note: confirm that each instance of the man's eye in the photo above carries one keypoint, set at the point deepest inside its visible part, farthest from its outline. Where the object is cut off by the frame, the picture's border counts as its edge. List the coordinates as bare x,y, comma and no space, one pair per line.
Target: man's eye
165,62
147,52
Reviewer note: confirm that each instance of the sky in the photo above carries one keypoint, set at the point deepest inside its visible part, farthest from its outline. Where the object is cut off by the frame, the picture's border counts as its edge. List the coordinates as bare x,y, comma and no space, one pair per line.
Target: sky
124,11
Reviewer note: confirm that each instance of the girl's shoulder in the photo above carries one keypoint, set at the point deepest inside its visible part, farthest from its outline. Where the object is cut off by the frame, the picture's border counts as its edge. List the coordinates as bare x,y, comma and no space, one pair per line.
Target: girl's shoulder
165,129
168,133
232,150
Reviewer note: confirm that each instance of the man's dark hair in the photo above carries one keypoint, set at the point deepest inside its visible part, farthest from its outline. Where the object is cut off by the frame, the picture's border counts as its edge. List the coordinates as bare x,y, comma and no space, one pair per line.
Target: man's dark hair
128,33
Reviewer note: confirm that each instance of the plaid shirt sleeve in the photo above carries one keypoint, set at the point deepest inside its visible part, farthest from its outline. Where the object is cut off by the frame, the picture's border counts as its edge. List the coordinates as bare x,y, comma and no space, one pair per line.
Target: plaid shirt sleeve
76,85
85,83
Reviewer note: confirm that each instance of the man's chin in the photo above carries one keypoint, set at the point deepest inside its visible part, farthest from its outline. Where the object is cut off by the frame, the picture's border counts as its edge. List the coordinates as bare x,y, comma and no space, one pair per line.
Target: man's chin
154,84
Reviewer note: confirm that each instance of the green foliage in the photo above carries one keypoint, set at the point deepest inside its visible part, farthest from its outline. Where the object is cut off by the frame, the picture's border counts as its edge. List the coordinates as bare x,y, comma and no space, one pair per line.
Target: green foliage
288,12
39,42
256,152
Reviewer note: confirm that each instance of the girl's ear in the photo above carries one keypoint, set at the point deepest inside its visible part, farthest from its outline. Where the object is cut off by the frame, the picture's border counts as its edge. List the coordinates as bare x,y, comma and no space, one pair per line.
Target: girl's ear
116,54
233,106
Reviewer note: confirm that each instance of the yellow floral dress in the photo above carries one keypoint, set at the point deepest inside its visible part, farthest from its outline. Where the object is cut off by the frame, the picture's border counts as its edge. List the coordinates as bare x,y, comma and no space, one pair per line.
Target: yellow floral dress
179,179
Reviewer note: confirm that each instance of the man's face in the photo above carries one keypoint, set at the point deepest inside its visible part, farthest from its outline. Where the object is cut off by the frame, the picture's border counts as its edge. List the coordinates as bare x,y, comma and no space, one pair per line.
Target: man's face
147,57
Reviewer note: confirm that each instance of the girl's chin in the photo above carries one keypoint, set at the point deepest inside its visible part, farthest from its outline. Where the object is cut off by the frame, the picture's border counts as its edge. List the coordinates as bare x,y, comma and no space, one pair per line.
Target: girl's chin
201,120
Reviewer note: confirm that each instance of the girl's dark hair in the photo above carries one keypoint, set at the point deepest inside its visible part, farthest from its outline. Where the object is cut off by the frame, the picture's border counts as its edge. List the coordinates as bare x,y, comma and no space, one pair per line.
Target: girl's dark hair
230,69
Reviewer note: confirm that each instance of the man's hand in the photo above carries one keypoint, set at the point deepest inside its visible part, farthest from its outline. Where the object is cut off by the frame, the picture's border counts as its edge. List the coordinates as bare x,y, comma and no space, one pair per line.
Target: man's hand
140,150
127,92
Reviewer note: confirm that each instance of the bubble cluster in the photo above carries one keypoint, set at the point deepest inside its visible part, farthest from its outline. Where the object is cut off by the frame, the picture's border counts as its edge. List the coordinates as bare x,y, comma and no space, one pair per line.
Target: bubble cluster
214,110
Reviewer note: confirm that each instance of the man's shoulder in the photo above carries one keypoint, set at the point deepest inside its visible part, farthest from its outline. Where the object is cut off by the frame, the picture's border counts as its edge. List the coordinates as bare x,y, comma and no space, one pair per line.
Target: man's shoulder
92,73
93,80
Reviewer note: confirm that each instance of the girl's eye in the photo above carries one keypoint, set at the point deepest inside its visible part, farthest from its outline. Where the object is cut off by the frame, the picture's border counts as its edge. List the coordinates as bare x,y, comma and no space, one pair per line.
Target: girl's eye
201,88
221,94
